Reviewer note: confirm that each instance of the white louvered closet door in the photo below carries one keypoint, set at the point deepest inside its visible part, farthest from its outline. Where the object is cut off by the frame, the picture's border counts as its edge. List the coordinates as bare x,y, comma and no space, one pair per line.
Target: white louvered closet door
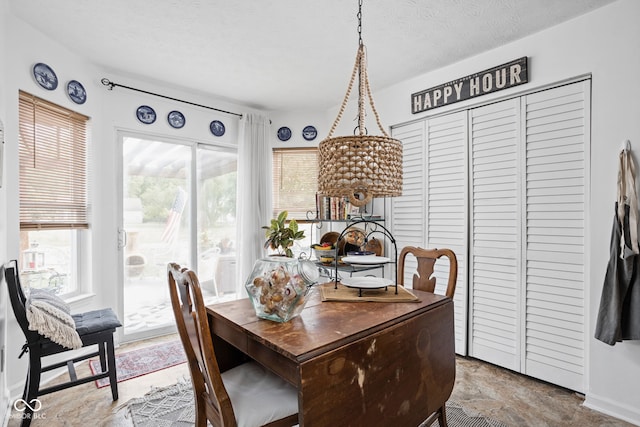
495,247
407,211
556,179
431,213
523,199
446,218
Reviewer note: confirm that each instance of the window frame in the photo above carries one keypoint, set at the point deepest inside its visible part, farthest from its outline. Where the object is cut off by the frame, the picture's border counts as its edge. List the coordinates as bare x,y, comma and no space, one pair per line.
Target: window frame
307,212
73,213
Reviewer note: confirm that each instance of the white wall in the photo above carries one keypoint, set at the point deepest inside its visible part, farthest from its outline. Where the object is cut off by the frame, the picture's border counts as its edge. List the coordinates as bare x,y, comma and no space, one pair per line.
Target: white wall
21,56
3,207
605,44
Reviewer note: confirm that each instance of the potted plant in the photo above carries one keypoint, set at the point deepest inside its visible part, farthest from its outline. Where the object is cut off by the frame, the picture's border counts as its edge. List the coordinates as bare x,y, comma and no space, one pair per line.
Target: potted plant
280,237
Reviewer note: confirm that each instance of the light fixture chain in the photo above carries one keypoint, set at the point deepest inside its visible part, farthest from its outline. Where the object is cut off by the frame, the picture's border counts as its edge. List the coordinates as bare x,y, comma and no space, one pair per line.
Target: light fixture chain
361,74
362,78
360,42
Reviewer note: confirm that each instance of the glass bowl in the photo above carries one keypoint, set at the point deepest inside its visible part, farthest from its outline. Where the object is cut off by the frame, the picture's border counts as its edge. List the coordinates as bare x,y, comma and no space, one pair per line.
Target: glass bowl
279,287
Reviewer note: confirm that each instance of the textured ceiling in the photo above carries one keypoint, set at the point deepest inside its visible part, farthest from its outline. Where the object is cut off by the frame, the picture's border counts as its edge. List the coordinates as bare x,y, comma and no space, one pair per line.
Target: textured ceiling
286,54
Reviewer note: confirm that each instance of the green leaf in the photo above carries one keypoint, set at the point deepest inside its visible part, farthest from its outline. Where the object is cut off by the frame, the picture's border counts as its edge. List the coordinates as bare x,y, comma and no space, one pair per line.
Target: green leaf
281,236
282,218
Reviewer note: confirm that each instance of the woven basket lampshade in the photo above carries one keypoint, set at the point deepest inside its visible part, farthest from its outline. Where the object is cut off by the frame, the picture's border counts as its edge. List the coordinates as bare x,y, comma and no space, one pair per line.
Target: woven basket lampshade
360,166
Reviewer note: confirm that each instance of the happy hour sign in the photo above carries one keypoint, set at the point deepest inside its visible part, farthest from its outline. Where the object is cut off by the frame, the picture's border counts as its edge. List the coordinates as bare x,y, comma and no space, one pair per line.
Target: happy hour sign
503,76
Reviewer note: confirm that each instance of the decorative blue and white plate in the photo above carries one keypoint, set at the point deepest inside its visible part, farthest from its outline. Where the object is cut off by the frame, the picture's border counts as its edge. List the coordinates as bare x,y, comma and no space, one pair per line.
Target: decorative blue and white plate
146,114
176,119
45,76
76,92
217,128
284,133
309,133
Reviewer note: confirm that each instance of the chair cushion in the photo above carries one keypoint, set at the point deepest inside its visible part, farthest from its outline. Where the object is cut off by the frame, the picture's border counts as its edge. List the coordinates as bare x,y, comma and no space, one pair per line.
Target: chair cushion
49,316
96,321
259,397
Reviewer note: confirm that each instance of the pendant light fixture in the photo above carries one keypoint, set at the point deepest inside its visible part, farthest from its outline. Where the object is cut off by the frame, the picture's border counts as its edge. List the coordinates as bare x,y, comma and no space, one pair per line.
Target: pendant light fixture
360,166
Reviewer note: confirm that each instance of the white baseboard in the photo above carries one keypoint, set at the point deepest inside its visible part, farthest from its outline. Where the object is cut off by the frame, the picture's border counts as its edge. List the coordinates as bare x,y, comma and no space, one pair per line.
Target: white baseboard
6,406
615,409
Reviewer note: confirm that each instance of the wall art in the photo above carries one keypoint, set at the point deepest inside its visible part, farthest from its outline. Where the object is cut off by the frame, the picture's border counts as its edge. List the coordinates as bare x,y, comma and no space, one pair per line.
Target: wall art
76,92
146,114
284,133
217,128
309,133
45,76
176,119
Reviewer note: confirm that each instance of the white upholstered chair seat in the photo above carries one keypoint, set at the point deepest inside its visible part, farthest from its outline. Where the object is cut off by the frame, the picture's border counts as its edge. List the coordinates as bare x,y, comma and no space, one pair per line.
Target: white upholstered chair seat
258,396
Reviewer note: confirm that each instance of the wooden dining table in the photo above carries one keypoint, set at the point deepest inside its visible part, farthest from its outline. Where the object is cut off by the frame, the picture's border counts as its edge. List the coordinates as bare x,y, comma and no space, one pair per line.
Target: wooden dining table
353,363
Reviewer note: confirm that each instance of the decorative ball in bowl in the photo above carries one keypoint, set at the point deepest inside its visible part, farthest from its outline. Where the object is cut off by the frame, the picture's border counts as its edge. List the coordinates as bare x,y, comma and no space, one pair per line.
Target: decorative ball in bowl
279,287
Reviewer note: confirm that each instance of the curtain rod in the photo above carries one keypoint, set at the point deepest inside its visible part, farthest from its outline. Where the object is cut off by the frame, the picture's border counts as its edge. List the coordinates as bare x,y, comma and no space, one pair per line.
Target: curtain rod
111,85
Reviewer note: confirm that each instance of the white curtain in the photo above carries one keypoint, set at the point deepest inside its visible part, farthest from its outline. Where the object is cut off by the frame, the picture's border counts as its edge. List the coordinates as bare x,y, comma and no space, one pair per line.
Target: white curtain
254,193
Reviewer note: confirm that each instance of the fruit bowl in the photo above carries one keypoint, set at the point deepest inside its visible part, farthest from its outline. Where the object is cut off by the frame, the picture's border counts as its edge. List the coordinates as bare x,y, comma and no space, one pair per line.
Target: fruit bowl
327,259
323,251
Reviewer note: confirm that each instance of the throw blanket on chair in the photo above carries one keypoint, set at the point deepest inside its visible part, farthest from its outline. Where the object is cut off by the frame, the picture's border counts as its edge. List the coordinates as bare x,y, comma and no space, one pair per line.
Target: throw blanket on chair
50,316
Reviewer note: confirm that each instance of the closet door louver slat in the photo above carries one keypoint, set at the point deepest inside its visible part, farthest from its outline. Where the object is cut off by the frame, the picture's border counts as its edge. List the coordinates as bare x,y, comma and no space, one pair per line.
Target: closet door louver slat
495,224
431,213
447,217
408,210
556,171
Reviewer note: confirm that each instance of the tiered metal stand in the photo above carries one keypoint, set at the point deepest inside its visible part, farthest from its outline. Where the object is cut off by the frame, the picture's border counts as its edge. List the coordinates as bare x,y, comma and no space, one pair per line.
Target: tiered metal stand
371,228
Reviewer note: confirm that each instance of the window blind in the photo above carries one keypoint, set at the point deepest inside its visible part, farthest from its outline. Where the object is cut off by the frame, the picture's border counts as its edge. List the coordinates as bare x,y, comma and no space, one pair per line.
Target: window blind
295,181
53,165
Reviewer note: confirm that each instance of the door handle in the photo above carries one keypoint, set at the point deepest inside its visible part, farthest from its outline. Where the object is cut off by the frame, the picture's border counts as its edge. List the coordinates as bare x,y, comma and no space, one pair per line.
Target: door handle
122,238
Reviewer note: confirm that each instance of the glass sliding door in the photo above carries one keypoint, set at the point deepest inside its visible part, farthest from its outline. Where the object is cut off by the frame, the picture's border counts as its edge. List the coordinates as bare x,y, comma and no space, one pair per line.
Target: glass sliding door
178,206
216,220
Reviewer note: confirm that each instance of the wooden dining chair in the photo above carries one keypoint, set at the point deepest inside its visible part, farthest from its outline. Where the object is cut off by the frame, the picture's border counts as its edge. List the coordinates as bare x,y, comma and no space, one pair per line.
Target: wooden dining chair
245,396
424,280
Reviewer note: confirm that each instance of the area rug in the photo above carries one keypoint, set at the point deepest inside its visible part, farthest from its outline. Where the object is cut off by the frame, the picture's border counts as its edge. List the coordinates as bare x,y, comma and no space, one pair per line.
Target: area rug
173,406
137,363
